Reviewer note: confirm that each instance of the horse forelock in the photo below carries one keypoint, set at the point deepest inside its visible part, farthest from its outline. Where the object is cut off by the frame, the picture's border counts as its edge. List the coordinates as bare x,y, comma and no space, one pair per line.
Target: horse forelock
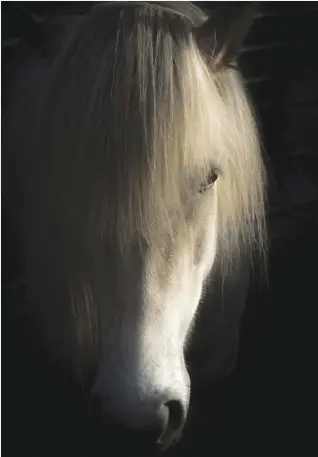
133,118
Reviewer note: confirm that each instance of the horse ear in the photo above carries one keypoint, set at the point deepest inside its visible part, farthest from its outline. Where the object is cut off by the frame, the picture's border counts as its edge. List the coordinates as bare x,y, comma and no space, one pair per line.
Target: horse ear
223,34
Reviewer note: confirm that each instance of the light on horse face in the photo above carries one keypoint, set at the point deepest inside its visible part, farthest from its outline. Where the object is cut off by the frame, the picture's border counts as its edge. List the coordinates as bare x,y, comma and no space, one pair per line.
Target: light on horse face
162,421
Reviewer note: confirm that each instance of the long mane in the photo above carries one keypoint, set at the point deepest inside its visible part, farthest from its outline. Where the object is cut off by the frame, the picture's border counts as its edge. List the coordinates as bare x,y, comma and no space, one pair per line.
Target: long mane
130,119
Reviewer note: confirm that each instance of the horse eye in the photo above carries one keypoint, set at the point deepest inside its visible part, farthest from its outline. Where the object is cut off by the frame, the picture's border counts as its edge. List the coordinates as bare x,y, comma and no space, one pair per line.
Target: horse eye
209,181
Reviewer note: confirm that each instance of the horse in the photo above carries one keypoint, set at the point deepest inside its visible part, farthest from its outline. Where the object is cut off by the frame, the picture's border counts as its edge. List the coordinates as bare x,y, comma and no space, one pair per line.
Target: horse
143,184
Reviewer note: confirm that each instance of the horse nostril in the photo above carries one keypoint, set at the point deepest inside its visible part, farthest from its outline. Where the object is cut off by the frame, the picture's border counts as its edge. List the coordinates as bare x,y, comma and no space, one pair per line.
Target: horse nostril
140,427
175,417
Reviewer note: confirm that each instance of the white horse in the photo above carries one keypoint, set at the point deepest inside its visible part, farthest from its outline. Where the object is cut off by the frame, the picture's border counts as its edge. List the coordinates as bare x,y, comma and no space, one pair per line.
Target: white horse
143,177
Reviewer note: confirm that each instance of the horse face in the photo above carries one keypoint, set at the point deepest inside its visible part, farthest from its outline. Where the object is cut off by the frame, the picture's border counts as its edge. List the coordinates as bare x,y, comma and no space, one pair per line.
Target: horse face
146,304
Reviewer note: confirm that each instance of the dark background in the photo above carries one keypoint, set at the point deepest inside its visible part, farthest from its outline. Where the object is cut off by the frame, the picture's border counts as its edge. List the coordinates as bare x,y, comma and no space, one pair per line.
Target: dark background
268,406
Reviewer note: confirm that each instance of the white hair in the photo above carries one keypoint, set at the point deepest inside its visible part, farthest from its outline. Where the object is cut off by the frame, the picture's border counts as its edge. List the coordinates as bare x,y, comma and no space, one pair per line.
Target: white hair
158,116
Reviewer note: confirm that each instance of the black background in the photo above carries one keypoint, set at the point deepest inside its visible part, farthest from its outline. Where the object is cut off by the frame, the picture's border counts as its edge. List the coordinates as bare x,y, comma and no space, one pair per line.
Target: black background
268,406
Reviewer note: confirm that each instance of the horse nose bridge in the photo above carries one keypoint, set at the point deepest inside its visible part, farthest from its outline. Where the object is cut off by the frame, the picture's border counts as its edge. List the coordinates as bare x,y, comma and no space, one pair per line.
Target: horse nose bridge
142,369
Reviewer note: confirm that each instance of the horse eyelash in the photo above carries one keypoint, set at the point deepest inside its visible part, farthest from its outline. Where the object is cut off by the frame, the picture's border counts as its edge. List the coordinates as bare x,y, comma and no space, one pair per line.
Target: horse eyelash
209,181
